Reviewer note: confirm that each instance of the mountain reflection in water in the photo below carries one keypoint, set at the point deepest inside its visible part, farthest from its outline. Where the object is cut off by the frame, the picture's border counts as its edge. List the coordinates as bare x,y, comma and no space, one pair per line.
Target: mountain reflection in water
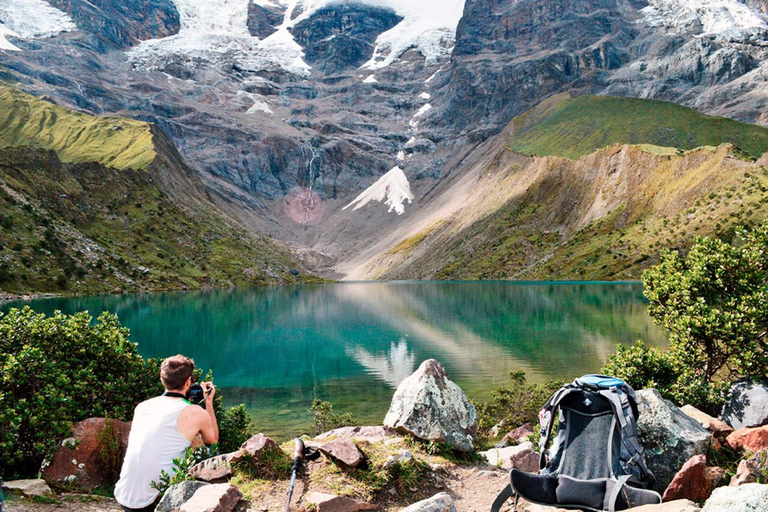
277,348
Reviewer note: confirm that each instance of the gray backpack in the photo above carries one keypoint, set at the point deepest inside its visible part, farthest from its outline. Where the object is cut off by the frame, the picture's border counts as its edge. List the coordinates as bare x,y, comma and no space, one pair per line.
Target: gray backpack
596,460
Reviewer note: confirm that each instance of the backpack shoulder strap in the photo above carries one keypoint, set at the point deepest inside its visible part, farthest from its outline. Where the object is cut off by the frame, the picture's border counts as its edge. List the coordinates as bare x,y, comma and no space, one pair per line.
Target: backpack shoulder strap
547,419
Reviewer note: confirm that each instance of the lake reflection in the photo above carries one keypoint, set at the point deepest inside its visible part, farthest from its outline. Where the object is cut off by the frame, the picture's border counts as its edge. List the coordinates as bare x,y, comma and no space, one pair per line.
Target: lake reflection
277,348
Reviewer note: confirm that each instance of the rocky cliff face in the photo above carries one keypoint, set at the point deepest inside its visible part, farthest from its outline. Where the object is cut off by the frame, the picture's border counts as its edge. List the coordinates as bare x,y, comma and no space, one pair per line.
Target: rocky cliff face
288,112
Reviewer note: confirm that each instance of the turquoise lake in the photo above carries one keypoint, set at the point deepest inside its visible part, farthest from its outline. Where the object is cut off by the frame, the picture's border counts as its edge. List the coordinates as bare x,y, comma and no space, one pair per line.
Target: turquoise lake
276,348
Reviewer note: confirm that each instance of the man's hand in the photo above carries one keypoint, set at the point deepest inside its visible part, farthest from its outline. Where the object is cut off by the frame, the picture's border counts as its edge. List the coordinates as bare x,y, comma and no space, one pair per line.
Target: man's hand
210,390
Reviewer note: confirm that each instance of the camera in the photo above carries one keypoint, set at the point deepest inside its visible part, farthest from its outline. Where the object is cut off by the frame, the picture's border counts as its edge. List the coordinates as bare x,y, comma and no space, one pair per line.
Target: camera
196,394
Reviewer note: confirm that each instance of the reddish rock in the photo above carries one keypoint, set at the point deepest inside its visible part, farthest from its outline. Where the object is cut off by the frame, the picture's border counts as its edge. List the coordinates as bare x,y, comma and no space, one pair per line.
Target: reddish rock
343,450
323,502
212,470
78,460
213,498
753,439
751,470
520,433
256,445
694,481
525,460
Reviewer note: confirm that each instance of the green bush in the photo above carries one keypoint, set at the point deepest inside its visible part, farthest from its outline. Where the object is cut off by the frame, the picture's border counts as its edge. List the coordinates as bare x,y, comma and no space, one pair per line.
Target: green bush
642,367
713,301
326,419
515,405
58,370
235,427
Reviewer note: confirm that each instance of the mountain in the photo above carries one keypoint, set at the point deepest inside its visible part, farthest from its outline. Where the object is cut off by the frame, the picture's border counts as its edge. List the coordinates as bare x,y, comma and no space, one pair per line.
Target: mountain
605,214
95,204
288,110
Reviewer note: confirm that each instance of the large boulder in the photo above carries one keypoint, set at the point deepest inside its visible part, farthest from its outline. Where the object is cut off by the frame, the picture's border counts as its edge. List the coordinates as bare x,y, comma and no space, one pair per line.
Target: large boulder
215,469
176,495
747,404
431,407
670,437
441,502
694,481
744,498
79,462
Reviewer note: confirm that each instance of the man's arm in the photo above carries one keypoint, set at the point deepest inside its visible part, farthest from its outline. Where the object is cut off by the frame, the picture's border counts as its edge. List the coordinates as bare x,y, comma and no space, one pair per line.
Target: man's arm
209,427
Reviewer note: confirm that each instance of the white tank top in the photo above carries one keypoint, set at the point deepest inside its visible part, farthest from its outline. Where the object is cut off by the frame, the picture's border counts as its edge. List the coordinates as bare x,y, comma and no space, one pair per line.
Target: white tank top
154,442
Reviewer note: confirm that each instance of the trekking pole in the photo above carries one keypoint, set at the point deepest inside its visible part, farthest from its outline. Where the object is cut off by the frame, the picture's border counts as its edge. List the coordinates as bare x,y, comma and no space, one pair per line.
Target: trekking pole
298,456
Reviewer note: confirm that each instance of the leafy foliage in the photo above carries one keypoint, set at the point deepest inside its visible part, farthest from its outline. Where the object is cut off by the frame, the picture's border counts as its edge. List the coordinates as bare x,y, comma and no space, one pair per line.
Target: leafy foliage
514,405
181,465
642,367
326,419
235,427
714,303
58,370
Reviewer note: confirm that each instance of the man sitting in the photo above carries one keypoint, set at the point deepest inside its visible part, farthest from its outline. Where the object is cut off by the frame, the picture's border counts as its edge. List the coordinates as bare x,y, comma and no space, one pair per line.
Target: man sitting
163,427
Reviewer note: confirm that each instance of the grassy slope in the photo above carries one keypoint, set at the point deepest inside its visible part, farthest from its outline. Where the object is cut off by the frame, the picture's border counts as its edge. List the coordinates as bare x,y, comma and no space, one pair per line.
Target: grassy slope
104,225
575,127
75,137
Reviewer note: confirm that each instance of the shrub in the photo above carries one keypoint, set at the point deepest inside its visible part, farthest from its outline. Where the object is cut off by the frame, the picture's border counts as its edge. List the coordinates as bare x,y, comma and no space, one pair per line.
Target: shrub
326,419
642,367
235,427
514,405
58,370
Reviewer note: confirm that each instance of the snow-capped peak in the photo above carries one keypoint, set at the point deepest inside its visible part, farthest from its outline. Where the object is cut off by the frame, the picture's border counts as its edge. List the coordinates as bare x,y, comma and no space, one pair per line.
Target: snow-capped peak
392,188
721,19
29,19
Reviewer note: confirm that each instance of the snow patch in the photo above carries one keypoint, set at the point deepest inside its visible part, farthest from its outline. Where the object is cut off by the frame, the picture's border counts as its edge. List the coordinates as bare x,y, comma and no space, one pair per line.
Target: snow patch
392,188
425,96
401,155
423,110
721,19
370,80
31,19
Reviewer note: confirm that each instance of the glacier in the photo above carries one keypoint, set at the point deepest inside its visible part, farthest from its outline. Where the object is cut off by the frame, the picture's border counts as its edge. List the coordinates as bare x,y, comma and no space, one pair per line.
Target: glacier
728,20
31,19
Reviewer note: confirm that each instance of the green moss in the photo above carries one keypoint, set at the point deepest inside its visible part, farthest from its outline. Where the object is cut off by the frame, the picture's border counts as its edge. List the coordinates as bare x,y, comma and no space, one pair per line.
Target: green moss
75,137
575,127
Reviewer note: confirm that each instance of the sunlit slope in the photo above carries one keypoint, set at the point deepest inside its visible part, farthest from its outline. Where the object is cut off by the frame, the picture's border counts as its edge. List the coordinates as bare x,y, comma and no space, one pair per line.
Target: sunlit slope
576,127
75,137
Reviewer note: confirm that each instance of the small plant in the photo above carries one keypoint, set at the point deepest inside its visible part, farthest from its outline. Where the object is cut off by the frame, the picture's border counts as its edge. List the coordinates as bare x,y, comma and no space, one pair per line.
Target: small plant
326,419
110,451
181,466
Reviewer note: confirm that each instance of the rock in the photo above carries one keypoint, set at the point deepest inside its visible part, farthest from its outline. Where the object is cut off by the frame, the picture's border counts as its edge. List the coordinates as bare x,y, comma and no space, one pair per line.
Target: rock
343,450
519,433
441,502
78,461
747,405
214,469
752,439
371,434
751,470
670,506
177,495
256,445
718,427
29,488
323,502
431,407
213,498
522,457
744,498
694,481
404,457
669,436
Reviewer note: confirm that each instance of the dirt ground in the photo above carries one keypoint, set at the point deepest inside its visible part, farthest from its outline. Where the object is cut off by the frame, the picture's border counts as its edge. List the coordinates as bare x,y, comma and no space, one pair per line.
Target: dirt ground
473,489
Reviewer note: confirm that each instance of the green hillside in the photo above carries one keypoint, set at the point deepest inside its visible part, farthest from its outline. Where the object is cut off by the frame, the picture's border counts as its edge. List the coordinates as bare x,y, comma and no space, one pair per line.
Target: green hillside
576,127
112,141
